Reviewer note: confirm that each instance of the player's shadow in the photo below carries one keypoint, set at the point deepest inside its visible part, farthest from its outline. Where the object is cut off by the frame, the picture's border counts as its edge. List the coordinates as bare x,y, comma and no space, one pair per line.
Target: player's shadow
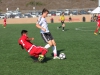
58,52
44,61
48,58
66,29
33,57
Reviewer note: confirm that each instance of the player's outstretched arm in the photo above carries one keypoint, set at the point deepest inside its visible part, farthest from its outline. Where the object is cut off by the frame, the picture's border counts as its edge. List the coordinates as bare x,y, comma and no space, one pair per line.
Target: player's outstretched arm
29,39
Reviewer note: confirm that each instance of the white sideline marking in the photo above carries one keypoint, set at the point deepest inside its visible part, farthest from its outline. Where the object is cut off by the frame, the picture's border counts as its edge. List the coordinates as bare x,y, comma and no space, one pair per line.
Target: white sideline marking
83,29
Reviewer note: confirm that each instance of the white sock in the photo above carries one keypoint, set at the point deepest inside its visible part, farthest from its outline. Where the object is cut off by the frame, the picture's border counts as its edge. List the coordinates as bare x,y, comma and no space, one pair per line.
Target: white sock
54,50
47,46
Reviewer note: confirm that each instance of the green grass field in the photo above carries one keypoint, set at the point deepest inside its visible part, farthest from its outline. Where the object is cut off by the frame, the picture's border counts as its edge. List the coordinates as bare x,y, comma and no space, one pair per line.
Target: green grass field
81,46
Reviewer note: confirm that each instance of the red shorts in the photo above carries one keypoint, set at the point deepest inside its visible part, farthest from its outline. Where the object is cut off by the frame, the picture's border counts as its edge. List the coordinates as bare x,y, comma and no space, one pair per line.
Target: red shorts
36,51
4,23
98,25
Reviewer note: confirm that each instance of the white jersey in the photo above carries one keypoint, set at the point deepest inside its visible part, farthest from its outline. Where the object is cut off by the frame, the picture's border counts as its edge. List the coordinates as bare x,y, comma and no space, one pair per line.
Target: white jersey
42,22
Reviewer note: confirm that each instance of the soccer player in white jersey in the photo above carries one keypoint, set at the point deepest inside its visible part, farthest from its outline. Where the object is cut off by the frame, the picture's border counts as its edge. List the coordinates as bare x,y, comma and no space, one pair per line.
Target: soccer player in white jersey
45,33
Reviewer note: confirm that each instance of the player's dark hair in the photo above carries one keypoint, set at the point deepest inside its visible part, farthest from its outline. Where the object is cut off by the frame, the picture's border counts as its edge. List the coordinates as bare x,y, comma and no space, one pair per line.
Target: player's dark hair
23,31
45,10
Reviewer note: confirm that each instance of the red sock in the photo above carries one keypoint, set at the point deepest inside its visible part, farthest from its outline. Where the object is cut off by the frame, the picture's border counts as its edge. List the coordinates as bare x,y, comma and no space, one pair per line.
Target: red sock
35,55
4,25
96,30
44,52
55,55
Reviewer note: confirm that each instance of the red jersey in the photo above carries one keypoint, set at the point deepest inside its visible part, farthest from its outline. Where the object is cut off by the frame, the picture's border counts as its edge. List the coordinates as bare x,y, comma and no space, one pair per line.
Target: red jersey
31,49
4,19
98,22
24,42
99,16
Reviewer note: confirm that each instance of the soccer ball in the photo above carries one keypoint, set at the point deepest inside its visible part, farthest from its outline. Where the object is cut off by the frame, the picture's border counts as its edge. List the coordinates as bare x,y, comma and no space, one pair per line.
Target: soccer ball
62,56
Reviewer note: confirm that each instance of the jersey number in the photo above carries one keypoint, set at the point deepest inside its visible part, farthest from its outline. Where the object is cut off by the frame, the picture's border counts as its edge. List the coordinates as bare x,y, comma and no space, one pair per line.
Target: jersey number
22,43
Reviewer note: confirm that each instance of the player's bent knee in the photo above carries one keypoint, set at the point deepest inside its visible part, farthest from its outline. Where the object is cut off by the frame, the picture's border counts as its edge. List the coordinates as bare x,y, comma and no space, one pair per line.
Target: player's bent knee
54,44
50,43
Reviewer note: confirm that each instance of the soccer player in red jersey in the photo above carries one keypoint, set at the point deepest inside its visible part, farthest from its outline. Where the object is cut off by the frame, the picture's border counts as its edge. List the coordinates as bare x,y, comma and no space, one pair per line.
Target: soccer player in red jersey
35,51
4,22
98,26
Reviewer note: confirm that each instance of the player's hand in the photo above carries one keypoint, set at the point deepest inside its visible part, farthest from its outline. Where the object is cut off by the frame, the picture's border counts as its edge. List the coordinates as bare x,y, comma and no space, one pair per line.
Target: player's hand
44,29
32,38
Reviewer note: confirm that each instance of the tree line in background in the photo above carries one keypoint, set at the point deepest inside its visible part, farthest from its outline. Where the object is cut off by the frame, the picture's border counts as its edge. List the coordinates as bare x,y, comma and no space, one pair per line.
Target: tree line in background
34,3
0,1
93,0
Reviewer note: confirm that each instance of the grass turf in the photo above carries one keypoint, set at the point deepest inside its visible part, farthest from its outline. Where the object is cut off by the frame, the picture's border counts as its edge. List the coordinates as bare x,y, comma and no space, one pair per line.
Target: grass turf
80,46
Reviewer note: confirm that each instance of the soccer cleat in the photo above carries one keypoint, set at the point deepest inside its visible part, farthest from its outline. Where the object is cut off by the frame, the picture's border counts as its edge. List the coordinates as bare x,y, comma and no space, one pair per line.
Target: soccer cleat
40,58
4,27
57,27
56,57
63,30
95,33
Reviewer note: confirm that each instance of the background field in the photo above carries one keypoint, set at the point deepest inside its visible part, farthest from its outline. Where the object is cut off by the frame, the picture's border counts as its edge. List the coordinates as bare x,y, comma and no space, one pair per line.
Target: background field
82,49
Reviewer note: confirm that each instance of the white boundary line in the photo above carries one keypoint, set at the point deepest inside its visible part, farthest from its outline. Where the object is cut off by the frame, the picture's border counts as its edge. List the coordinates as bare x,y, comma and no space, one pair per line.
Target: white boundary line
83,29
